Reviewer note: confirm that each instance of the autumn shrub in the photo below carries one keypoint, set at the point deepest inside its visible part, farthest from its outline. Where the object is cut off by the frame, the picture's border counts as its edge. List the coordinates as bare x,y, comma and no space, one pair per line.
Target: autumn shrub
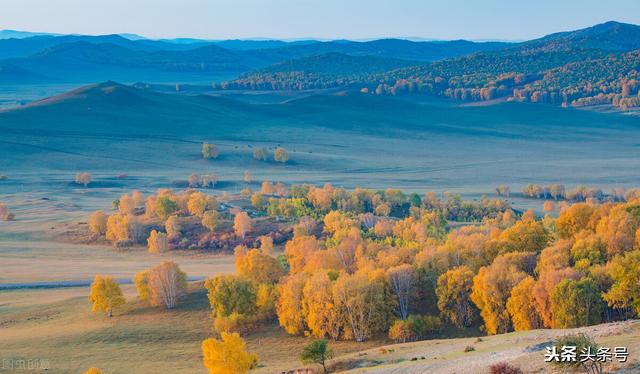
414,328
173,227
504,368
236,322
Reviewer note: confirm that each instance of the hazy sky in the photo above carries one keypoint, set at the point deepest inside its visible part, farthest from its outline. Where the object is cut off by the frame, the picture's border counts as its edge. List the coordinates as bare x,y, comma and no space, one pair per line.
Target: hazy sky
327,19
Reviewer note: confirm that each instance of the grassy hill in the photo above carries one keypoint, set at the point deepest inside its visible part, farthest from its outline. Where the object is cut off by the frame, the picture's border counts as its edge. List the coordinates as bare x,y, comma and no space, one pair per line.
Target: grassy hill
348,140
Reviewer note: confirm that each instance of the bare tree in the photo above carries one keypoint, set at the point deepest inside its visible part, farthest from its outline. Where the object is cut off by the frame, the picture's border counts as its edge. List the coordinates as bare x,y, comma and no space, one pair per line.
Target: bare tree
167,284
402,279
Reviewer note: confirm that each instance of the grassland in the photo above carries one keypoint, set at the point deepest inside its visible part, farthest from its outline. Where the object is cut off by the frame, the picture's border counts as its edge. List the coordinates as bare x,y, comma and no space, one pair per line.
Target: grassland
416,144
140,339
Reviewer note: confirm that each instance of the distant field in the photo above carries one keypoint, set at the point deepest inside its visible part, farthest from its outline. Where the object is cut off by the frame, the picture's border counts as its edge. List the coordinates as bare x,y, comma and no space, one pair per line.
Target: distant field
355,140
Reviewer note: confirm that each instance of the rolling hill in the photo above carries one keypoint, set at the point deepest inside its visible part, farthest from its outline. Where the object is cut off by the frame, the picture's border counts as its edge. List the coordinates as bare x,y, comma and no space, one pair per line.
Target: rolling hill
610,36
345,139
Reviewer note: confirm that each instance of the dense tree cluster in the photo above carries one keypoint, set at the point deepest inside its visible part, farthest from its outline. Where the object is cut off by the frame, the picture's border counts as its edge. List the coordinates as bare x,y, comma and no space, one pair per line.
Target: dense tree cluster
170,220
580,193
363,263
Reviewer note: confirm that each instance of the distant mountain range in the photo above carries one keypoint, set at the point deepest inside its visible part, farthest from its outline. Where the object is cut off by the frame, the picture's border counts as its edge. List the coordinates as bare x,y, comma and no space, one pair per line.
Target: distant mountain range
598,65
8,34
78,58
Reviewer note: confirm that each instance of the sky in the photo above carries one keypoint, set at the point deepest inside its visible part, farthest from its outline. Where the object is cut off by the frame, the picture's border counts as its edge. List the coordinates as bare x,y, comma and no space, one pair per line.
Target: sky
320,19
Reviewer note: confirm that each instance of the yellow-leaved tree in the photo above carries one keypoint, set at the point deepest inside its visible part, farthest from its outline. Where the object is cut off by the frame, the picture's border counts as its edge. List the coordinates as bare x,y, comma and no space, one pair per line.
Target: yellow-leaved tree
157,242
163,284
210,220
289,305
257,266
242,224
105,295
141,281
93,370
454,296
521,306
228,355
197,204
98,222
319,309
281,155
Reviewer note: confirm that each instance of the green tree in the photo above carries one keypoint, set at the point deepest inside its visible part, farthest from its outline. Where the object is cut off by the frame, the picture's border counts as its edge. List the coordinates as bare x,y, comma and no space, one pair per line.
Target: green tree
165,207
582,343
576,303
625,272
317,352
231,294
454,296
210,220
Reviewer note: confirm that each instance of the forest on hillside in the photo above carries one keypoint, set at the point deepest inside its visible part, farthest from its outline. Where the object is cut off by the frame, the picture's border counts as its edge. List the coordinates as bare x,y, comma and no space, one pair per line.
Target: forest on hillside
558,71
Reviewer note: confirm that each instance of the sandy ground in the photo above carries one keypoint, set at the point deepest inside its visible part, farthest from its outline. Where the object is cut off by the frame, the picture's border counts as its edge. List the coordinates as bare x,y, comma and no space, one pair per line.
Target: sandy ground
524,349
